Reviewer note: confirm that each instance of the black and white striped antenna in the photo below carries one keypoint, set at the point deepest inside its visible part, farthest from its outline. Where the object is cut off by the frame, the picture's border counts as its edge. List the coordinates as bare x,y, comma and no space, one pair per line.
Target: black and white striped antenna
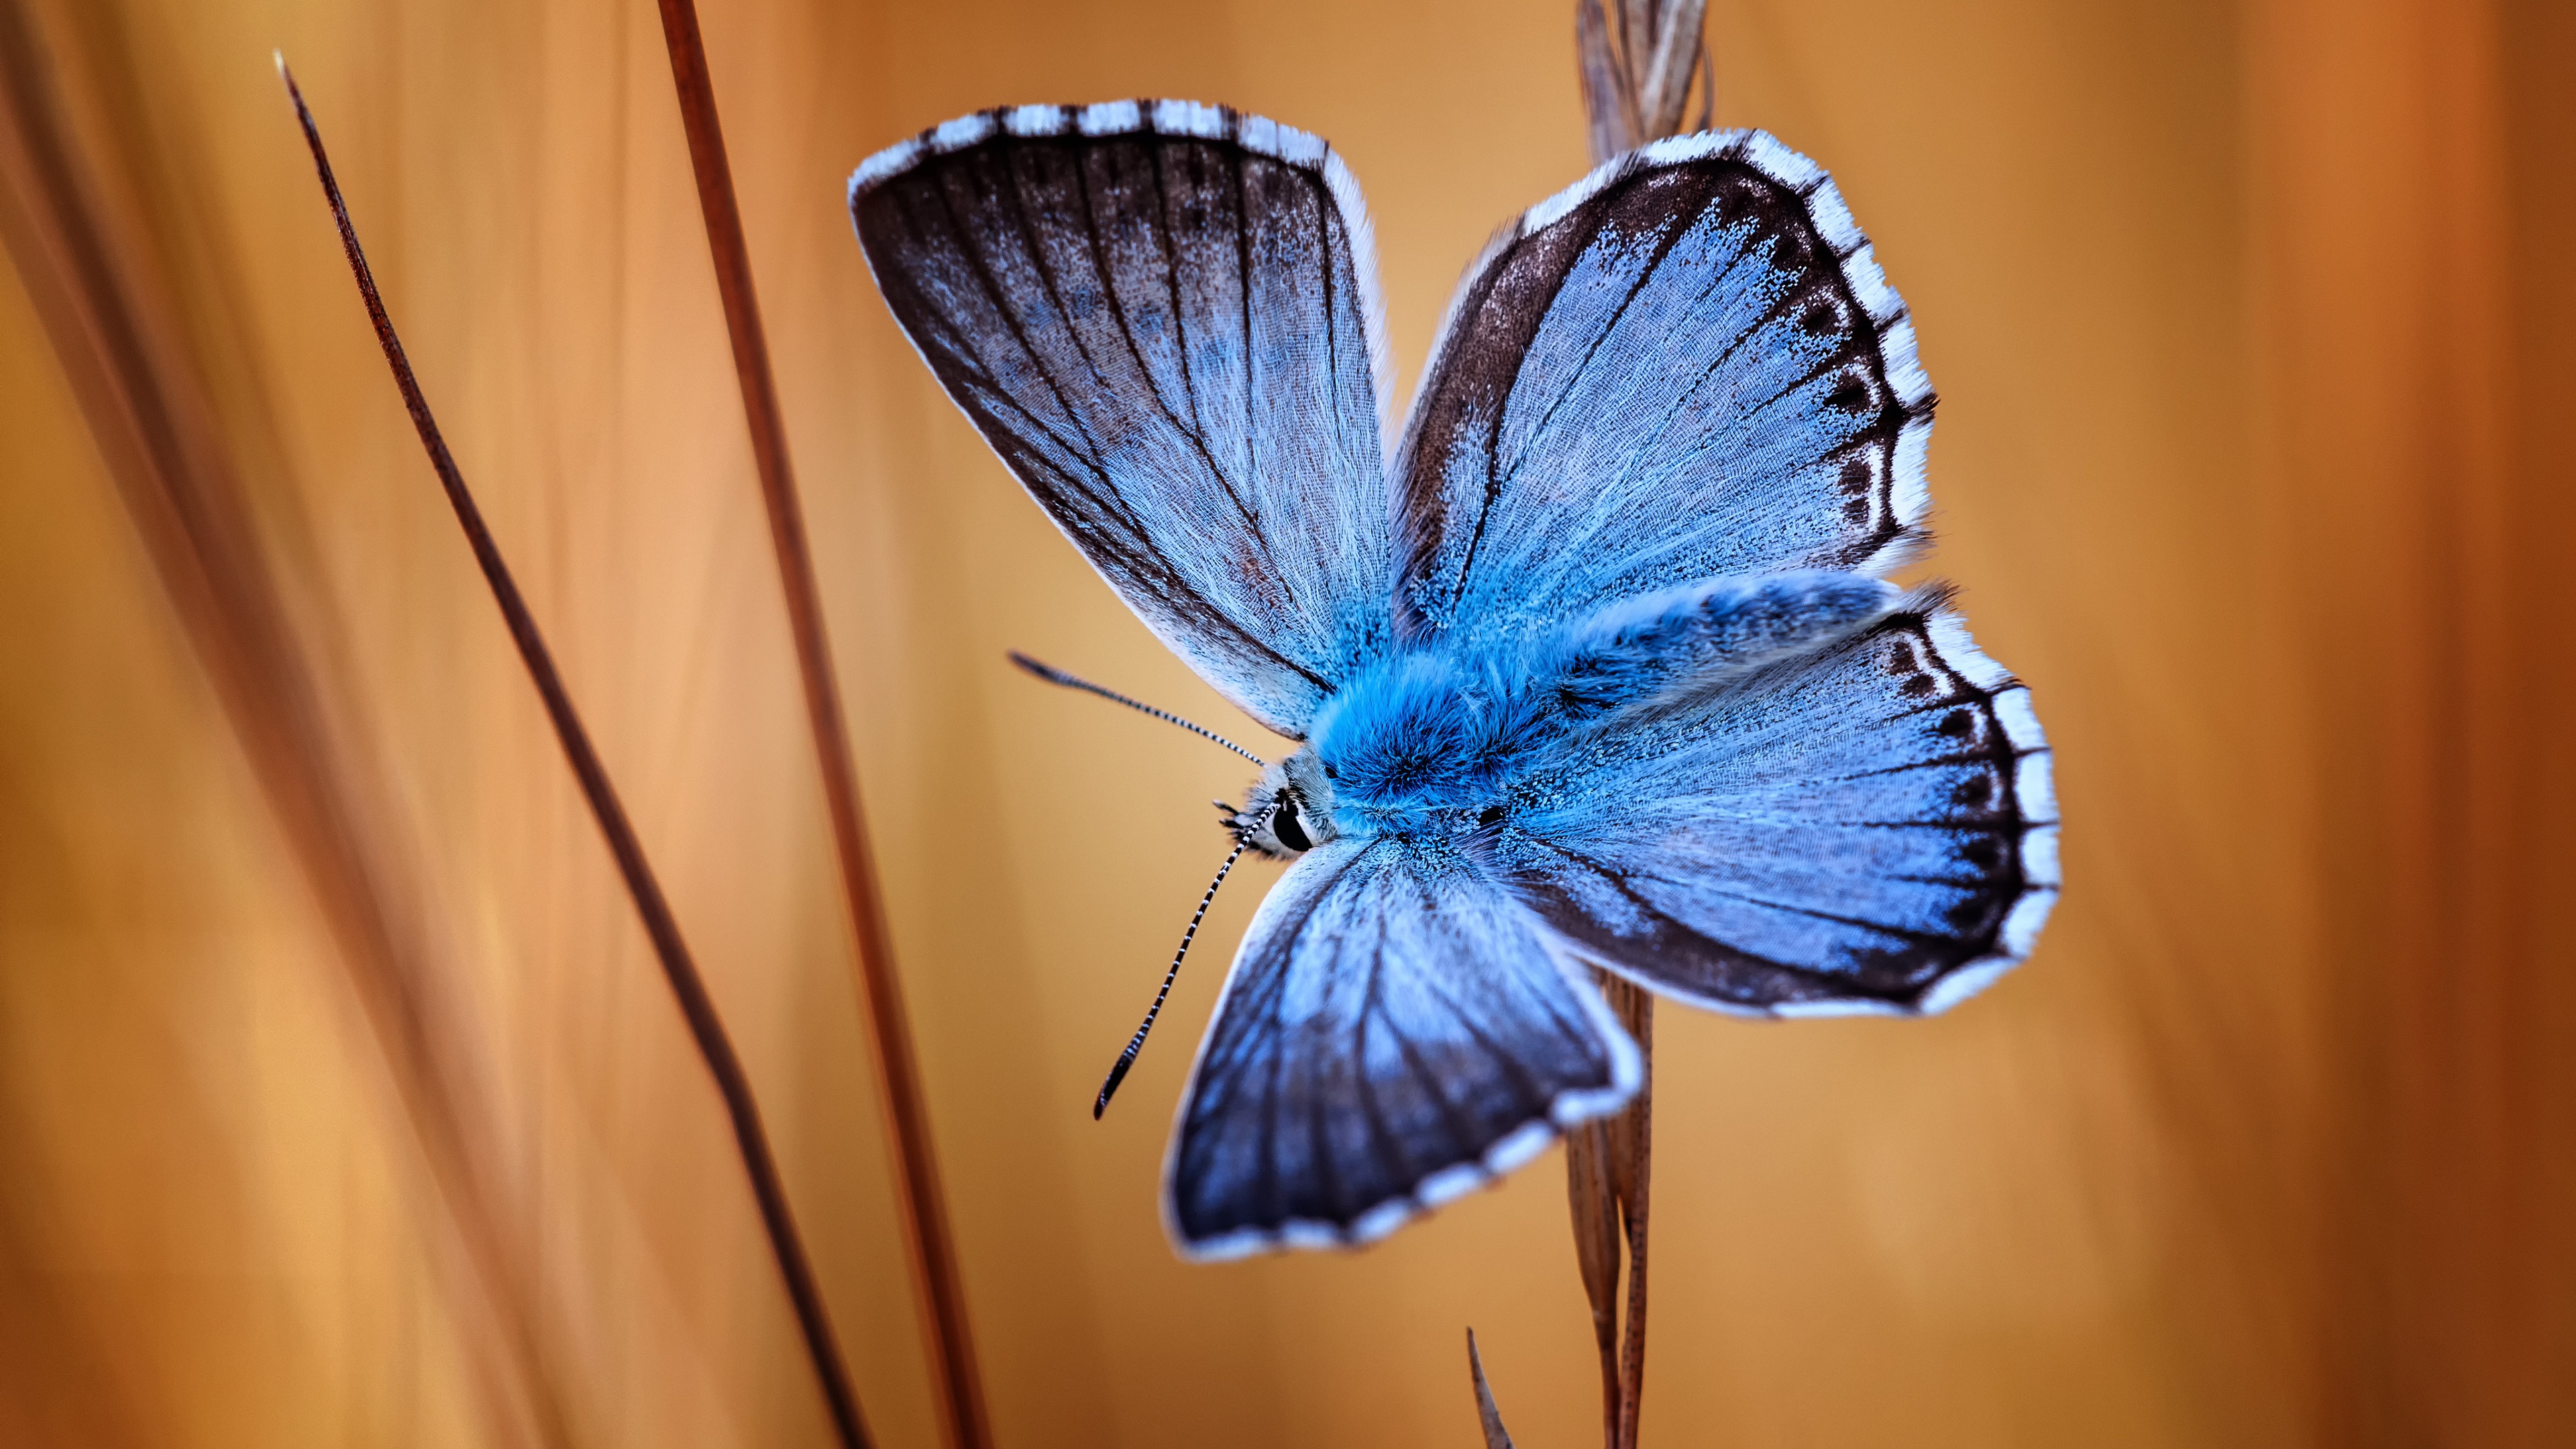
1136,1043
1053,675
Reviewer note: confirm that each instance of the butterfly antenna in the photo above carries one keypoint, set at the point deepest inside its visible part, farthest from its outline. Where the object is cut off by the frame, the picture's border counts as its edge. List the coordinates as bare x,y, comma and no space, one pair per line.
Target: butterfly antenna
1053,675
1136,1043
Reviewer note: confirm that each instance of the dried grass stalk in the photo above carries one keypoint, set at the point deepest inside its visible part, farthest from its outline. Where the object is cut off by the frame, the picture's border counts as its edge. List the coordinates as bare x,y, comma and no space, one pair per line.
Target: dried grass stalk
1639,66
1638,72
1607,1165
1631,1159
1488,1417
1593,1199
101,288
940,1289
1609,106
679,968
1672,61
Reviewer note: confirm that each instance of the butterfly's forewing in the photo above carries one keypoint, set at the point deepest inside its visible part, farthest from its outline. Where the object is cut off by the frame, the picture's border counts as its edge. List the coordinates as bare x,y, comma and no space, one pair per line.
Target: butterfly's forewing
1163,318
1687,366
1397,1029
1868,829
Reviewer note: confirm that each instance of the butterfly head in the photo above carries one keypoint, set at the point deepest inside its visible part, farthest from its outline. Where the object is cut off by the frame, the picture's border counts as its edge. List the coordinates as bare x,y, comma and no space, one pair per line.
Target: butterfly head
1289,810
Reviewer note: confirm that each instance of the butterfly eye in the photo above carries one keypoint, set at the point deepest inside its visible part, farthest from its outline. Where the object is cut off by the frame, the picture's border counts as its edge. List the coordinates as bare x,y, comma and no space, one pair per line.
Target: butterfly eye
1290,830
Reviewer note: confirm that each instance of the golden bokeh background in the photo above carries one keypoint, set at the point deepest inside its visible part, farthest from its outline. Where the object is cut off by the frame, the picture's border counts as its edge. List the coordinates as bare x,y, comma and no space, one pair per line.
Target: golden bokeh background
2255,328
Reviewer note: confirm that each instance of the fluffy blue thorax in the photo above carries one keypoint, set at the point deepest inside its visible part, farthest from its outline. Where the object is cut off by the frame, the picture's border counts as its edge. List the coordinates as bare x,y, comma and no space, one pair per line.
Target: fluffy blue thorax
1426,740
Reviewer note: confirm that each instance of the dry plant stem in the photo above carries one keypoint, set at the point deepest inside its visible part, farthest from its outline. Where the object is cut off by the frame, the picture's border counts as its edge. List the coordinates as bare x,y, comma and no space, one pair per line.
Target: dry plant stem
146,405
933,1251
1637,62
1631,1163
1607,1169
1488,1417
1610,112
1664,84
1594,1206
659,924
1637,65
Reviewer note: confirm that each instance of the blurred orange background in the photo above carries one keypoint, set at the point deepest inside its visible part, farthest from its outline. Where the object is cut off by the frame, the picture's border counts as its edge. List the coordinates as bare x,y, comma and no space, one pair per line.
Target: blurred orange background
2255,328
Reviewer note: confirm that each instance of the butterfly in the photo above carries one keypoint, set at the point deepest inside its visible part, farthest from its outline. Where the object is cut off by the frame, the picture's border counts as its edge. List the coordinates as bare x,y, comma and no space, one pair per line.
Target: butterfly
1597,667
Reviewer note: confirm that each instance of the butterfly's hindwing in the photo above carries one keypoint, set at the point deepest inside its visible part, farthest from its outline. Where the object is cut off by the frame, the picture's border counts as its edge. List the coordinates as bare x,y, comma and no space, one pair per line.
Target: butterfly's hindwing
1163,318
1396,1030
1872,828
1688,366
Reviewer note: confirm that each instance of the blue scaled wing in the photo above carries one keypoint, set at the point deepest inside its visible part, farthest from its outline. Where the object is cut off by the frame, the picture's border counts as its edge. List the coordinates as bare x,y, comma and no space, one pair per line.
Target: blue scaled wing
1397,1029
1687,366
1870,828
1164,317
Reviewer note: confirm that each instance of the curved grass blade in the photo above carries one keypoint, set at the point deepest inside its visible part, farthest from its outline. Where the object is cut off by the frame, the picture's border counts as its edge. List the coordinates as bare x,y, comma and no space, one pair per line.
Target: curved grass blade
678,967
950,1345
1488,1416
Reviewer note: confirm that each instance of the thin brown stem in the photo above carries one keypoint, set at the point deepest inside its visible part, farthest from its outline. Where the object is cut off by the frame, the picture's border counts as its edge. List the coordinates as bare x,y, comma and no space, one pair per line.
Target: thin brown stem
1637,72
1631,1135
1594,1206
678,968
933,1250
1489,1418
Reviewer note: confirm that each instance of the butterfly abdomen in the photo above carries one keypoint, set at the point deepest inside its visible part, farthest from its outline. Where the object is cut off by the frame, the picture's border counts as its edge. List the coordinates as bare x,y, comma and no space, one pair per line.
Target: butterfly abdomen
1699,634
1430,741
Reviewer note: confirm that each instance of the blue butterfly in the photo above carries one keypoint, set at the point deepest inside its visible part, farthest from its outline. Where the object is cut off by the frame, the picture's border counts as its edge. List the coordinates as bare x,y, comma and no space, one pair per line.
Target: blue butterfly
1599,667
